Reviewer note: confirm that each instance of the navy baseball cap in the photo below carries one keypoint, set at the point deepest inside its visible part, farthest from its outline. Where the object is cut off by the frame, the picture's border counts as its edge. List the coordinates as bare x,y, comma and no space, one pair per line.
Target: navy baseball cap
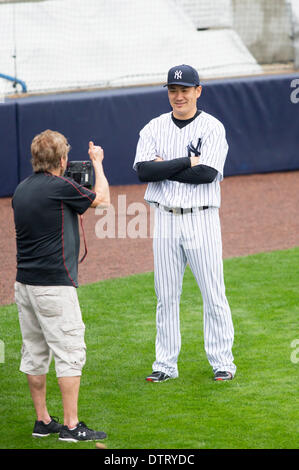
184,75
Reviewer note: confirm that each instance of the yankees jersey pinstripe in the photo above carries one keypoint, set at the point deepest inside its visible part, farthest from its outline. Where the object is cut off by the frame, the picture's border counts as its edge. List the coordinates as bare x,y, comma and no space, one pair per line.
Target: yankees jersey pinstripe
161,137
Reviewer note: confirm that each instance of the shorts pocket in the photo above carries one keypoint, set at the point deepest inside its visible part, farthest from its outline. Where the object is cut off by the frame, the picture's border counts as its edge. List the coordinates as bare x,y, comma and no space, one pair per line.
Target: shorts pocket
73,330
74,343
21,298
48,300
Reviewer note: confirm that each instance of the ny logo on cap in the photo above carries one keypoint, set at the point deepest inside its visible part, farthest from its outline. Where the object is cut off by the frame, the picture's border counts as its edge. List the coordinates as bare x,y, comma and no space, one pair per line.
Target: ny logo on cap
178,74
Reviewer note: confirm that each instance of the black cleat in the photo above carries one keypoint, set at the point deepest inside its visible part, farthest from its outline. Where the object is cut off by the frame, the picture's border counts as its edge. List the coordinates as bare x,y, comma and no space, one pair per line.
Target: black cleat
223,375
43,430
157,376
80,433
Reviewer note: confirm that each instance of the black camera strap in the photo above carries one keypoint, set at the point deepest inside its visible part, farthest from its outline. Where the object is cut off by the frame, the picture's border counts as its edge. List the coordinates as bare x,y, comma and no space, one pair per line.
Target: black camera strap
84,238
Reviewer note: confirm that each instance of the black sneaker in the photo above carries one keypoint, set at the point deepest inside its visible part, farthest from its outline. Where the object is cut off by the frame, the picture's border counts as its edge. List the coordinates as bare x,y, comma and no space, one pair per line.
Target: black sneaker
43,430
157,376
80,433
223,375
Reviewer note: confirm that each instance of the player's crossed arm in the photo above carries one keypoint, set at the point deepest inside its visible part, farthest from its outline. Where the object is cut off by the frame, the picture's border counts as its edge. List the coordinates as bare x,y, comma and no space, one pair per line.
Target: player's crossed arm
184,170
198,174
159,170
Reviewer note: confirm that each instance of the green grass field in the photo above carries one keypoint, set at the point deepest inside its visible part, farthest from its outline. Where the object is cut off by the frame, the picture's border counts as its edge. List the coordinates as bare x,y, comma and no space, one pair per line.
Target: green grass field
257,410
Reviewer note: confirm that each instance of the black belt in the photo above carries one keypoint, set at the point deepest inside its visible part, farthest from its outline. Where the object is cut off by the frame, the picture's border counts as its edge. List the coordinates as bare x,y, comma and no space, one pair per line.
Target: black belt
181,210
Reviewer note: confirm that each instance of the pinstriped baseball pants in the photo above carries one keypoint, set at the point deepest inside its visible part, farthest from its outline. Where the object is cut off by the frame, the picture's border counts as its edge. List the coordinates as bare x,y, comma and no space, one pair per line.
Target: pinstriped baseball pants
193,239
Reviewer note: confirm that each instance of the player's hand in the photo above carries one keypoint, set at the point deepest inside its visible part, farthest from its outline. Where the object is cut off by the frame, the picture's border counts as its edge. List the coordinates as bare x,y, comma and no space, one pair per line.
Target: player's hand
194,160
95,152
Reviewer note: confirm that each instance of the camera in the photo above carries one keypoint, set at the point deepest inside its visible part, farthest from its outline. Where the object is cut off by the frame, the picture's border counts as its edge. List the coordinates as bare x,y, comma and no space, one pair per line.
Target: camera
81,172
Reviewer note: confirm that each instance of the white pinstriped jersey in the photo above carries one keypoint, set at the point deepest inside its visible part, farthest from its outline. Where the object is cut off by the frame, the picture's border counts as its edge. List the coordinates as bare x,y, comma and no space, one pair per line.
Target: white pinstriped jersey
161,137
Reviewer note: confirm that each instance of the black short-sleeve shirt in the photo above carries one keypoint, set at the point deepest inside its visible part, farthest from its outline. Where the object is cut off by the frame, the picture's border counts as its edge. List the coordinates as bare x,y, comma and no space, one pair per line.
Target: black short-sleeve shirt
46,209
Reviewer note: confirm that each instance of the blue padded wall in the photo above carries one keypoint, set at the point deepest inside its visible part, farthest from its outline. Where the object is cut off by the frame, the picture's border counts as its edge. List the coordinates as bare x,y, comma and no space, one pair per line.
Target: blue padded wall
111,119
9,175
261,121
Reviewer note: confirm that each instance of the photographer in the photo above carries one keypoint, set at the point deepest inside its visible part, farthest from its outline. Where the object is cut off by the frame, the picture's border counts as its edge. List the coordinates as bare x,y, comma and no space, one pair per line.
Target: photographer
46,207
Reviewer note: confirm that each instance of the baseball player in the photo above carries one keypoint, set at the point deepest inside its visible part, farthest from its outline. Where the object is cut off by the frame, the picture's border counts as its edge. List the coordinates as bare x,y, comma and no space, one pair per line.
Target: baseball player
181,155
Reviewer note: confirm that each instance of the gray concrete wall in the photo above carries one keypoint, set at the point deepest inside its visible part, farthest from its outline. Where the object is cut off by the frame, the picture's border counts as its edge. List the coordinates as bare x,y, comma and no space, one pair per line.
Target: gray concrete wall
294,4
208,14
20,1
265,26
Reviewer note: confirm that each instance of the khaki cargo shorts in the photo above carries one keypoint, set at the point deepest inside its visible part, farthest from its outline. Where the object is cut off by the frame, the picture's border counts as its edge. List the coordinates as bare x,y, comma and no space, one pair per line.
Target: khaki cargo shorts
51,326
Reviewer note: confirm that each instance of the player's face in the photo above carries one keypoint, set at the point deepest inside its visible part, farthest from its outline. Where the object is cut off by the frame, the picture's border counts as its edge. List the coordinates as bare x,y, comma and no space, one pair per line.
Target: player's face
183,100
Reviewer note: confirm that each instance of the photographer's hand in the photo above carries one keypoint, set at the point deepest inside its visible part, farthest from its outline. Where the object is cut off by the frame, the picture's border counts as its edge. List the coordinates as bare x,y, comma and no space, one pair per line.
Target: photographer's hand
95,152
101,187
